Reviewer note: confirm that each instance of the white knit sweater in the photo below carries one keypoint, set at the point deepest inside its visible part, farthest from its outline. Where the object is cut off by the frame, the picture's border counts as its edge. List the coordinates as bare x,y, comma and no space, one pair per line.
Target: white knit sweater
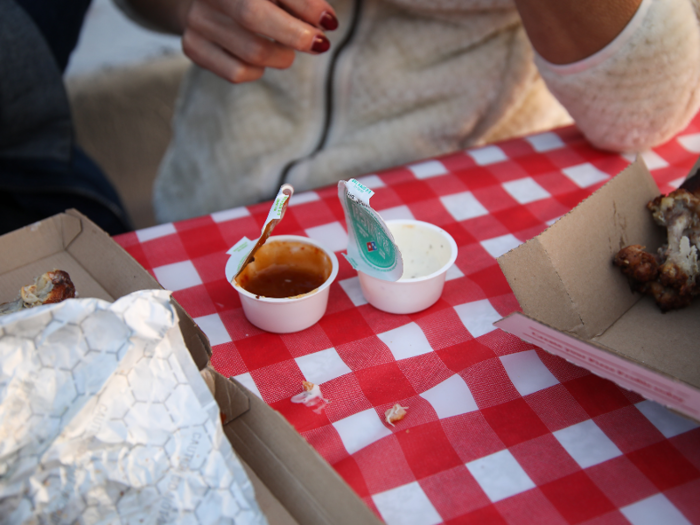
411,79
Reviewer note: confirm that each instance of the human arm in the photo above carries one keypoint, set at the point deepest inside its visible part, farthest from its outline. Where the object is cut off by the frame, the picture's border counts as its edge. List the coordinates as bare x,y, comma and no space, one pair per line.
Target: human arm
565,31
637,89
238,39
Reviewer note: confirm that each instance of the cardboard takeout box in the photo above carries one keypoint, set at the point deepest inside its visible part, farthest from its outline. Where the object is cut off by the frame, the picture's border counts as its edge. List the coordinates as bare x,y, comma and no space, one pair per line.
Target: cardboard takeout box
578,305
293,484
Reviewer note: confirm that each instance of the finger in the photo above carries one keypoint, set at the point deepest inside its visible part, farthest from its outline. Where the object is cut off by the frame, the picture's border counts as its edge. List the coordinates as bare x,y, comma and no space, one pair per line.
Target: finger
315,12
237,41
209,56
265,18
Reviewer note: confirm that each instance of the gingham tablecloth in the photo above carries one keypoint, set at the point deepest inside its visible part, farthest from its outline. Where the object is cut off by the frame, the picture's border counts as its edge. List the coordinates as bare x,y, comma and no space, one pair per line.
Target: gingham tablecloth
497,430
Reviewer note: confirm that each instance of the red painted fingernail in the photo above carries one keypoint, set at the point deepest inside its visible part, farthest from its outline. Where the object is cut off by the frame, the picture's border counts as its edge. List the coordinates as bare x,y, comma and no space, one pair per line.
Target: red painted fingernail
321,44
328,21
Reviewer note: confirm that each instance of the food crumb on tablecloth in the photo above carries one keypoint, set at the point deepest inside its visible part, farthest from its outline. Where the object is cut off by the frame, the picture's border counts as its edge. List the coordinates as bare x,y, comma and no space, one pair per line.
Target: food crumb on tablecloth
395,413
311,397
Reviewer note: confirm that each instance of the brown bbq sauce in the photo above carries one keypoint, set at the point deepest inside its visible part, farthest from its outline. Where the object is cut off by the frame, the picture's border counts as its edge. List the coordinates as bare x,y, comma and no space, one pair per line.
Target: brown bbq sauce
279,281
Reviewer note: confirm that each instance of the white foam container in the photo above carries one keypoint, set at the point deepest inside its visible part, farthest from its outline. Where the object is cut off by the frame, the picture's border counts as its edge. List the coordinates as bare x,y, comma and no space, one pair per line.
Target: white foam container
419,242
288,314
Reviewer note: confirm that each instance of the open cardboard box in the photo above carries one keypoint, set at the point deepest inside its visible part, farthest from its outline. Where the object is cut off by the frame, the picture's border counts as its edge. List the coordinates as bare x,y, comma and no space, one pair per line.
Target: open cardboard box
578,305
293,484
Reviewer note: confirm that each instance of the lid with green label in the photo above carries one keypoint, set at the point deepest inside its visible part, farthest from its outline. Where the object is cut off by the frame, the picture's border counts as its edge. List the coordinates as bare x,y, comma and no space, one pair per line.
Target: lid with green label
371,246
244,250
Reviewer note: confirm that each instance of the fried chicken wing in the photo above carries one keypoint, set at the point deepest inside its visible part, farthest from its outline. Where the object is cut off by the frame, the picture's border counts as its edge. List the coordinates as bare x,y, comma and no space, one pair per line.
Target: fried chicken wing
672,275
637,264
50,287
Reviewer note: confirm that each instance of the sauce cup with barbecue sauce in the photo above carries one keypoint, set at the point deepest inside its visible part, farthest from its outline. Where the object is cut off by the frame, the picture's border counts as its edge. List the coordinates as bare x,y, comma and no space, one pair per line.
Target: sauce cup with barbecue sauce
285,288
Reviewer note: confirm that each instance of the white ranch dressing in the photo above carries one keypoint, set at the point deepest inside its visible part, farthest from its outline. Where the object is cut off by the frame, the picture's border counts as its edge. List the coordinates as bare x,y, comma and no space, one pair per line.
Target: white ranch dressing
424,250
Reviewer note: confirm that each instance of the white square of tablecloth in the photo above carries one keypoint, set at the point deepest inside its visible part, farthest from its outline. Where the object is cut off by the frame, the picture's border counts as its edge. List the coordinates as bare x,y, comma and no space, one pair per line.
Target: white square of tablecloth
451,398
527,372
525,190
361,429
668,423
463,206
497,246
585,175
430,168
177,276
406,505
487,155
406,341
353,290
478,317
402,212
332,236
322,366
546,141
372,181
587,444
213,327
654,510
500,475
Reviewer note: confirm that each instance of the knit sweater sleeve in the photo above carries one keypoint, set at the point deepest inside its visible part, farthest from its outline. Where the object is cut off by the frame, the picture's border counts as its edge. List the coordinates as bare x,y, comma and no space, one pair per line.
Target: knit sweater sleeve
643,87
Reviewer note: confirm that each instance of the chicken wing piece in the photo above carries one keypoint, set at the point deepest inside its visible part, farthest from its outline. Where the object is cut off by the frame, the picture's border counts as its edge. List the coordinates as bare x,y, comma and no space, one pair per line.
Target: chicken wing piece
672,275
50,287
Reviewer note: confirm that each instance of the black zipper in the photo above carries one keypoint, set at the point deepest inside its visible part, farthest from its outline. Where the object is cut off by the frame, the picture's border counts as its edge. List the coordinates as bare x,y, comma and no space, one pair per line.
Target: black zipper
354,23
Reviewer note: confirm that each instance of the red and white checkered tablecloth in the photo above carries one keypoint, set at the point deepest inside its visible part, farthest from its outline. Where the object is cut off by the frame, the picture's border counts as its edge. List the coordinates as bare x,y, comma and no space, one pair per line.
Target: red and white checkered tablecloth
497,431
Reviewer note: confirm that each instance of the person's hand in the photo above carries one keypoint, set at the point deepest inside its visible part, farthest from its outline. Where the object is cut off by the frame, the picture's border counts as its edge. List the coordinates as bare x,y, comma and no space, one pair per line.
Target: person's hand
238,39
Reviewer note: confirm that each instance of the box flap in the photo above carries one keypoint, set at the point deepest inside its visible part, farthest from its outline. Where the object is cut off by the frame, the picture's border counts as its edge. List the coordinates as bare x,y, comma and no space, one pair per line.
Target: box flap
232,401
197,342
71,227
537,285
41,247
565,276
98,267
275,513
31,243
666,342
626,371
108,263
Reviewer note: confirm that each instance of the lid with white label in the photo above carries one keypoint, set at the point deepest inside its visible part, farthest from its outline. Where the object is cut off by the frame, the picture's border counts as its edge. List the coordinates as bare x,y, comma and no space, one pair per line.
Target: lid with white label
244,250
371,246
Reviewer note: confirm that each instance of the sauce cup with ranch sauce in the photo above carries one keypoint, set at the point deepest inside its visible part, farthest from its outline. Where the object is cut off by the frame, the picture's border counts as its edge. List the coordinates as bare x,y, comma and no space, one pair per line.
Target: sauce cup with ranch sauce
428,252
285,288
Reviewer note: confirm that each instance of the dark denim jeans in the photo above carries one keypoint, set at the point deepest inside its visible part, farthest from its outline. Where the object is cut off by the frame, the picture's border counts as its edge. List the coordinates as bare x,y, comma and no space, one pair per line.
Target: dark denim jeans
33,190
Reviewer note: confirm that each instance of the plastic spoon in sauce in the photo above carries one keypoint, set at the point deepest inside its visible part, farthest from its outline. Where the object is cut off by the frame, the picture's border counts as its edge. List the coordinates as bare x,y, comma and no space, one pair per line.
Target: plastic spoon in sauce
277,211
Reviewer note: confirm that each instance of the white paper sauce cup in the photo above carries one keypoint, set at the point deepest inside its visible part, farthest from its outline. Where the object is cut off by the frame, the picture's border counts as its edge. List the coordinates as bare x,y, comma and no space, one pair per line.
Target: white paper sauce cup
288,314
428,252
